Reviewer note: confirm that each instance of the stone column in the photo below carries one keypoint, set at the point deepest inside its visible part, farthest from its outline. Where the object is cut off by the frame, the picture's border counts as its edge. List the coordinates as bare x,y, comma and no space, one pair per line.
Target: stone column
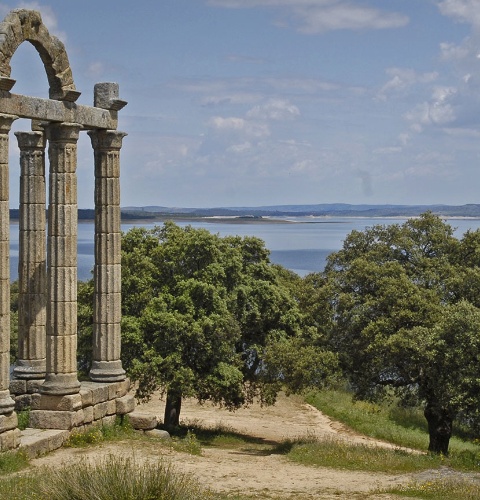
31,362
6,402
106,363
61,377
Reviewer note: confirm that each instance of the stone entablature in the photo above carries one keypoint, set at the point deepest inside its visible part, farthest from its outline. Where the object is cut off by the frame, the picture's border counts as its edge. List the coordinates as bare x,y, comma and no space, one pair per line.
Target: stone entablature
45,377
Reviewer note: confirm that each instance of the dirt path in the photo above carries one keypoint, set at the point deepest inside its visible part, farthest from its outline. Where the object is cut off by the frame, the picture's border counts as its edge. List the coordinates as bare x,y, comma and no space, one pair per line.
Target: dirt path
252,471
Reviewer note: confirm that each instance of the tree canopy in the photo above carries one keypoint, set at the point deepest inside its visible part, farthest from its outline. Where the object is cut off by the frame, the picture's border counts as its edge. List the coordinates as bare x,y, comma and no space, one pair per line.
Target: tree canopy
211,318
400,306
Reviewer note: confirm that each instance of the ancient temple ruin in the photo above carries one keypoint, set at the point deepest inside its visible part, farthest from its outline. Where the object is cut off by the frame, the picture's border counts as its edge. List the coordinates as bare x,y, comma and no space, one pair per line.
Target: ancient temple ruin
45,374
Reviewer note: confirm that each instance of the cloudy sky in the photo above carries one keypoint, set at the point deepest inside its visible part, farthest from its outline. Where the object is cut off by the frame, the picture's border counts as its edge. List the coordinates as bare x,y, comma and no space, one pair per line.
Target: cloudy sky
263,102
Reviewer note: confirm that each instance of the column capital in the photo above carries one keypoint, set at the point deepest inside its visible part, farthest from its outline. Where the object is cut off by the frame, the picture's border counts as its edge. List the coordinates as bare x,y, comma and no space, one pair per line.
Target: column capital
6,122
30,140
63,132
106,140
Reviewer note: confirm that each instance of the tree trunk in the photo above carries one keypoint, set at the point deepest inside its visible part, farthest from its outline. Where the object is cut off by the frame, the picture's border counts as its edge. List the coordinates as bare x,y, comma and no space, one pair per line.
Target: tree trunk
173,406
440,423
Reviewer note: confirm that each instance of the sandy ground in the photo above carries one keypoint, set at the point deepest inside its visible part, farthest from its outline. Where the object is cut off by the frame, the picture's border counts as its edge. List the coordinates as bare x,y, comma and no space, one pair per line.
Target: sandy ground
251,470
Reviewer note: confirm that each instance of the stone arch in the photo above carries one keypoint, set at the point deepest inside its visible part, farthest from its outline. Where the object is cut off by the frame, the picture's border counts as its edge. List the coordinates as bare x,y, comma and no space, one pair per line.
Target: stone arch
22,25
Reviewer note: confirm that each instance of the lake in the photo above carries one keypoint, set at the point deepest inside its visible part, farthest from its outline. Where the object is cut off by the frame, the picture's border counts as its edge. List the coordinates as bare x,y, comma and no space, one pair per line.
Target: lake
301,245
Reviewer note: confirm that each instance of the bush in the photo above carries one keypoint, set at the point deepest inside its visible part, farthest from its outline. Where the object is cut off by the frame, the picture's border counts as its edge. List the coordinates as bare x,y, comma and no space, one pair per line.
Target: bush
114,478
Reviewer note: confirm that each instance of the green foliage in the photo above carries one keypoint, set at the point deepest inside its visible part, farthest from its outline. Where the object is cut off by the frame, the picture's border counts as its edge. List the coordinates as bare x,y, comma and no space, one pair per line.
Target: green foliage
207,317
400,306
96,434
23,418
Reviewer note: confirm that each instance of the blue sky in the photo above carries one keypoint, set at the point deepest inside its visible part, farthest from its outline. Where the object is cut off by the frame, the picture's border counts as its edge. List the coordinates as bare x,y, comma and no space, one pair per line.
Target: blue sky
263,102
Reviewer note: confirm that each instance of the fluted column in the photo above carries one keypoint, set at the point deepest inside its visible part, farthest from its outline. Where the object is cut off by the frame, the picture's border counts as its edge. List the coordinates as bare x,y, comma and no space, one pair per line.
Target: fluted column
31,362
106,363
6,402
61,377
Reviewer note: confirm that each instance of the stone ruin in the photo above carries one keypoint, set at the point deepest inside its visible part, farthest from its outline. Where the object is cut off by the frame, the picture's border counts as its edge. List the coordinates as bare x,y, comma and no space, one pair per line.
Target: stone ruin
45,377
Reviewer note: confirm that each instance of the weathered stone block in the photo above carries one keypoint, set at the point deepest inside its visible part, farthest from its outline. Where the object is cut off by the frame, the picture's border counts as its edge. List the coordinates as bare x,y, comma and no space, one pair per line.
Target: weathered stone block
8,422
36,442
86,396
111,407
125,404
88,414
48,419
99,391
158,433
71,402
10,440
109,420
142,421
18,386
100,410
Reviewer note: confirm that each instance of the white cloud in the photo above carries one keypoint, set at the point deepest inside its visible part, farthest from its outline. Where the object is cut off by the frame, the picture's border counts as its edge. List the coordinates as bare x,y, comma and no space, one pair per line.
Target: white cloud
466,11
319,16
404,78
239,126
452,52
438,111
274,109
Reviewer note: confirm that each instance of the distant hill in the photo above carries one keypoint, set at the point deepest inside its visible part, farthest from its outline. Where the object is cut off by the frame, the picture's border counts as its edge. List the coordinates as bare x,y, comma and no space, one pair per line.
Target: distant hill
322,209
325,209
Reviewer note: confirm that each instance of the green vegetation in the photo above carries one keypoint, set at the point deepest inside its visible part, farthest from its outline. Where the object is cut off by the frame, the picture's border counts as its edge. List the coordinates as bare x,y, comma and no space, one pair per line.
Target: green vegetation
114,478
121,429
12,461
446,489
400,305
208,317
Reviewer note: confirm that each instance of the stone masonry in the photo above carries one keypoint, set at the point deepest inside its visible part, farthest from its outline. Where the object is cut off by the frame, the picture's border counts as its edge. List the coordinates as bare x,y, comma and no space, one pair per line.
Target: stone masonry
45,374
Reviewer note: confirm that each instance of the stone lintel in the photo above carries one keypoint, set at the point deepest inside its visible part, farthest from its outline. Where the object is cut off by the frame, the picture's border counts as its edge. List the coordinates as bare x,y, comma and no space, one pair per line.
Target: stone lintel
37,108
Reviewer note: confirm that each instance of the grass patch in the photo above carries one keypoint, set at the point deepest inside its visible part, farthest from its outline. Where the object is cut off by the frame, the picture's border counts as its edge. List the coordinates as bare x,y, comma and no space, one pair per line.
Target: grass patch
404,427
12,461
446,489
23,418
342,455
114,478
188,444
121,429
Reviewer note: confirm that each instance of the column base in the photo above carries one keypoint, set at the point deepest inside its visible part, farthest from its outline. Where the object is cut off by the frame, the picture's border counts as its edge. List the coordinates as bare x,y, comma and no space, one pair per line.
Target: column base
7,404
60,384
30,368
107,371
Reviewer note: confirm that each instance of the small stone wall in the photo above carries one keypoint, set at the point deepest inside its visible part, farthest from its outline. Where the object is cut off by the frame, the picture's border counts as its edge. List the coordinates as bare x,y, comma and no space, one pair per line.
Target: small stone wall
94,403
